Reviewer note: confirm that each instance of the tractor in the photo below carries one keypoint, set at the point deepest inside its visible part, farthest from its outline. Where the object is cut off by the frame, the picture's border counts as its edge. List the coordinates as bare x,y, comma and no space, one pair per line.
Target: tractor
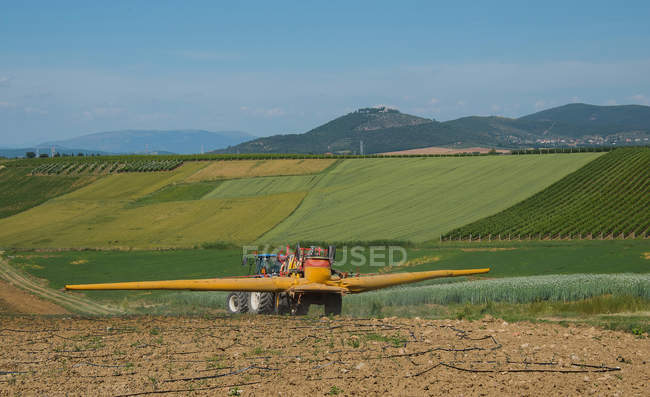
282,265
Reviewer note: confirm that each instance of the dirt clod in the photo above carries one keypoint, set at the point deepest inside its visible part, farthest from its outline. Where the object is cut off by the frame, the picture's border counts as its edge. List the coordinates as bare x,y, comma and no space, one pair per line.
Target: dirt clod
303,356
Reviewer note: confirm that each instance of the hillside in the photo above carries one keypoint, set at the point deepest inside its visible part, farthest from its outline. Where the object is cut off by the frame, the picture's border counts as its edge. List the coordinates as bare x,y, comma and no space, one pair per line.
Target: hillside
245,201
621,118
416,199
387,130
607,197
143,141
21,191
381,130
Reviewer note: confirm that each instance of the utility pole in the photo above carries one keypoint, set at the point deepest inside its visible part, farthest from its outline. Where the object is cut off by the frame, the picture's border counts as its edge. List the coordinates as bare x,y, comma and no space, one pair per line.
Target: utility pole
361,148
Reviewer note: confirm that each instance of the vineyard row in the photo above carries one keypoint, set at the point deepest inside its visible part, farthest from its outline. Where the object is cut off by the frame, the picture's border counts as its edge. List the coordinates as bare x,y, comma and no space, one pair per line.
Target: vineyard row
104,167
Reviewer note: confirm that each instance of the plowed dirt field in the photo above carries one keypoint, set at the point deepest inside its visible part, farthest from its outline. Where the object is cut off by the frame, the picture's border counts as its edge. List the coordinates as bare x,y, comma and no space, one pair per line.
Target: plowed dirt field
282,356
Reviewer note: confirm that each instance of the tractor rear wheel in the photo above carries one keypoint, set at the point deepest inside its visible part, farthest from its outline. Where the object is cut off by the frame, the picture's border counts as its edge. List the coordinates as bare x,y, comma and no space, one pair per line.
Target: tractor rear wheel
261,302
333,304
243,301
232,303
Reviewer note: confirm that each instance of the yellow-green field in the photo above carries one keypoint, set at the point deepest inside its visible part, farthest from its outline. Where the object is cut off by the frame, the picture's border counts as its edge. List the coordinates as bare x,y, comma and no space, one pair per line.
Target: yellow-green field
356,199
417,199
253,168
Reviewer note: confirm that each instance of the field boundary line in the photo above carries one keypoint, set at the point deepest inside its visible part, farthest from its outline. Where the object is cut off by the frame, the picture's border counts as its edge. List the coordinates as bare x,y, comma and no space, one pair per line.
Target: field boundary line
71,302
319,177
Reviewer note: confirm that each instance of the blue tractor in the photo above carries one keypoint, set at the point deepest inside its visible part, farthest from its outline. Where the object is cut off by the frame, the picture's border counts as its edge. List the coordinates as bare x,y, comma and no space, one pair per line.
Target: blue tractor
266,265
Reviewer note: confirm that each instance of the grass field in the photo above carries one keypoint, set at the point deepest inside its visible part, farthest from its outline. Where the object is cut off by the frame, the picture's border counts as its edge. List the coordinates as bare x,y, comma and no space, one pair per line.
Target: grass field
417,199
20,191
253,168
130,186
103,214
531,259
355,199
179,192
95,223
607,197
250,187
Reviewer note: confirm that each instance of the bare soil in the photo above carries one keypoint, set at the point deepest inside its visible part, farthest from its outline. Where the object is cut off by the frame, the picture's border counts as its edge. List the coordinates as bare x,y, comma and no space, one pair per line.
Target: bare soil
26,298
15,300
284,356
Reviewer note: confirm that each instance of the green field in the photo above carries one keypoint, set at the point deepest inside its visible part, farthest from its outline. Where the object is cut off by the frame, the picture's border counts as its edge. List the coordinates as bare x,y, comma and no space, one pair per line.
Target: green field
609,197
408,202
21,191
104,214
418,199
506,260
355,199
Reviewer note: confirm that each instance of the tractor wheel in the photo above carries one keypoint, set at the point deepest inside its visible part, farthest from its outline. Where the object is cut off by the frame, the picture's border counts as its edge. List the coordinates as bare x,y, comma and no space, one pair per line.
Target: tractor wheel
333,304
261,302
232,303
243,301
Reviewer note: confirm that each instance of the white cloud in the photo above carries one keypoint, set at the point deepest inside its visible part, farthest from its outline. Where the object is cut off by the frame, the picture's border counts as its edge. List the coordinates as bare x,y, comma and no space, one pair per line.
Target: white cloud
274,112
495,108
611,102
540,104
4,81
434,101
5,104
575,99
461,102
640,98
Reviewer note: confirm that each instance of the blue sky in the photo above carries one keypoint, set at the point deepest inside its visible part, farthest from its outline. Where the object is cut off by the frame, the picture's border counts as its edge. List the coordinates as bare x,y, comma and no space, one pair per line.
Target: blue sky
71,68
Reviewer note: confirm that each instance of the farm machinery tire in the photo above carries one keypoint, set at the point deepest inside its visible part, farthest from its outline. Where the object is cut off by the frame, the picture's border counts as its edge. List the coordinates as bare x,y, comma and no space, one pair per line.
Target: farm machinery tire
333,304
261,302
243,301
237,302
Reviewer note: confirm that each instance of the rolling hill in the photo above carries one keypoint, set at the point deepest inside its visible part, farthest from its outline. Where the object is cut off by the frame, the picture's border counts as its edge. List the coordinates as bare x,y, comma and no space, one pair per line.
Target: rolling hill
142,141
276,201
385,130
622,118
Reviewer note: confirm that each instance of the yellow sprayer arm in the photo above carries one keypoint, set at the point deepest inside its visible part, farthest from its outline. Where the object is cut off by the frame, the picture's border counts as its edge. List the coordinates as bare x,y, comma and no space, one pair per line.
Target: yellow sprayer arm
265,284
368,283
347,285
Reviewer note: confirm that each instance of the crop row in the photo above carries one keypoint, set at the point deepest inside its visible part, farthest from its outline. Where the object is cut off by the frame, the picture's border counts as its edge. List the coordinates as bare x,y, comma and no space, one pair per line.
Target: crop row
512,290
607,198
104,167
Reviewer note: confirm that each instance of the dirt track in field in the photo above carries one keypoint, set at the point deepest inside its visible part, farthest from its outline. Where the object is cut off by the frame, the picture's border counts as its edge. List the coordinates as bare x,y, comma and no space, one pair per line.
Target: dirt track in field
38,299
260,356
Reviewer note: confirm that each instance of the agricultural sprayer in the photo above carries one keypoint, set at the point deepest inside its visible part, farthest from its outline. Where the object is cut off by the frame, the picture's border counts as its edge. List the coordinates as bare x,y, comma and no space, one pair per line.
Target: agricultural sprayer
288,282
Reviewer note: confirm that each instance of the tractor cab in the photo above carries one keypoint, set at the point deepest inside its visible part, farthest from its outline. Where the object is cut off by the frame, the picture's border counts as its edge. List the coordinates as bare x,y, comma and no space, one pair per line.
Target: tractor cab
265,264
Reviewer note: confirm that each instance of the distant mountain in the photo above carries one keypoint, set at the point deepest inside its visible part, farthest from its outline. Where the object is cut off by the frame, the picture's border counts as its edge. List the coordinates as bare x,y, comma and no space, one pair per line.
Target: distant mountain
623,118
146,141
382,129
